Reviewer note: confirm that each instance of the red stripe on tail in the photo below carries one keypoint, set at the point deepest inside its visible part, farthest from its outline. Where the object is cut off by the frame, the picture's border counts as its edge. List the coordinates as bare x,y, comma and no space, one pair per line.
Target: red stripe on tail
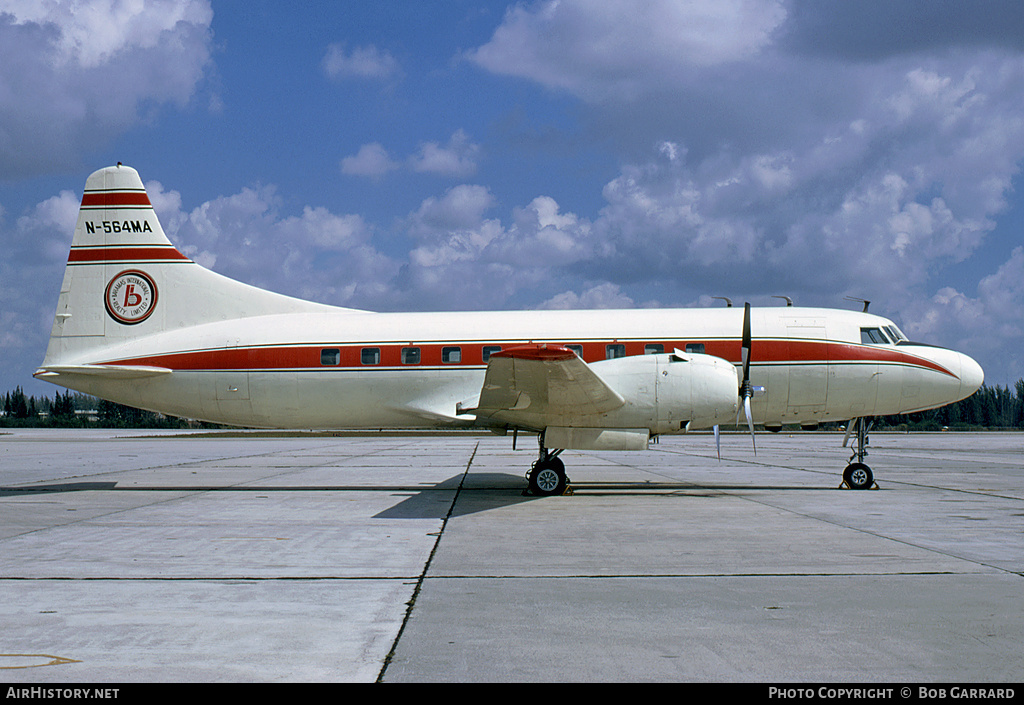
125,254
114,199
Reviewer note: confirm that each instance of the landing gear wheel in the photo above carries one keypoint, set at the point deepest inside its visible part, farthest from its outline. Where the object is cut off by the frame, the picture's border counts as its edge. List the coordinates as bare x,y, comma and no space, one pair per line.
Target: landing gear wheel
547,478
858,476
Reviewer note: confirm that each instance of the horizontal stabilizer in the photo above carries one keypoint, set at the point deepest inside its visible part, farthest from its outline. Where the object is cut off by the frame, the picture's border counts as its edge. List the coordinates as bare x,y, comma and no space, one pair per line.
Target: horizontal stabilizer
109,371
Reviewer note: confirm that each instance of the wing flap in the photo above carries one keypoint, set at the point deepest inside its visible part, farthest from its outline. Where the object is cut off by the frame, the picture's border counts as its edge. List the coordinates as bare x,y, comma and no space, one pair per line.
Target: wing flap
537,386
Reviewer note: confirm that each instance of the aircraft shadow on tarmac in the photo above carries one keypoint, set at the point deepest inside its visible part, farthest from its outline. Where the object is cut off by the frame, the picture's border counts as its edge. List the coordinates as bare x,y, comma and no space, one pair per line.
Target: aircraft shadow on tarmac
486,491
51,489
421,501
478,492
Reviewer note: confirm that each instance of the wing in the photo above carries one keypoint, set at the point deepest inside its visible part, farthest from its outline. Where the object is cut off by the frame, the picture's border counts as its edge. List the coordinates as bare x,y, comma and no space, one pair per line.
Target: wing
537,386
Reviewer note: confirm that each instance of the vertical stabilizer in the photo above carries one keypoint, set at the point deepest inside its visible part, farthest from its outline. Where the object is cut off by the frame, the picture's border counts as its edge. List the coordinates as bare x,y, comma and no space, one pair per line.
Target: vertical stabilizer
124,279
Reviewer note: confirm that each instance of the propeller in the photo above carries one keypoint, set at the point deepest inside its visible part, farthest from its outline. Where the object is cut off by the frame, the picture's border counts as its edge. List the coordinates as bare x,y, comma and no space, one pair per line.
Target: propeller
746,390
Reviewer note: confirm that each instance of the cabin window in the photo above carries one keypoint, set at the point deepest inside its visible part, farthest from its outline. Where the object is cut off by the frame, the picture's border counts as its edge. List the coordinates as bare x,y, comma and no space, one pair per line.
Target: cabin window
410,356
451,355
490,350
330,356
695,348
872,336
578,349
614,350
370,356
654,349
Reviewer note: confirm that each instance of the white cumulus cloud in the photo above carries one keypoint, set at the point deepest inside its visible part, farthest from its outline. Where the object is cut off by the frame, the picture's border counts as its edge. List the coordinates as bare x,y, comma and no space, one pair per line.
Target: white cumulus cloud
365,62
74,75
604,49
371,161
457,159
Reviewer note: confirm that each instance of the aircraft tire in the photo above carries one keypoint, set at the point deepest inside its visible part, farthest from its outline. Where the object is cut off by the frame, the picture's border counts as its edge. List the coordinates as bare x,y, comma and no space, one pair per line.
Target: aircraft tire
547,478
858,476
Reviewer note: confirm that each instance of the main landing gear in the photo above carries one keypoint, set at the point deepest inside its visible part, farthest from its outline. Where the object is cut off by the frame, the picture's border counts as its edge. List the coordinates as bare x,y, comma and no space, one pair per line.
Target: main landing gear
547,475
857,475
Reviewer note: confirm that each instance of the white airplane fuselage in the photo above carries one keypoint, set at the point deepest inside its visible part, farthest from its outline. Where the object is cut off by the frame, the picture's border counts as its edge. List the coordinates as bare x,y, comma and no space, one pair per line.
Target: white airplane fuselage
141,324
346,369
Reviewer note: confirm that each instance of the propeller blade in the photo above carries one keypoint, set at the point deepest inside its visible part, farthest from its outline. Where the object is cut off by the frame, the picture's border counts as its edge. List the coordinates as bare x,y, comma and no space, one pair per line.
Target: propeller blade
746,391
718,442
750,421
745,351
850,430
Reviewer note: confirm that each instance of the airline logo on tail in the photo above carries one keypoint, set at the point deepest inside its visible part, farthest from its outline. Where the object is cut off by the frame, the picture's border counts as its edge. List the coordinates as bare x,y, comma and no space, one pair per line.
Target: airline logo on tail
130,297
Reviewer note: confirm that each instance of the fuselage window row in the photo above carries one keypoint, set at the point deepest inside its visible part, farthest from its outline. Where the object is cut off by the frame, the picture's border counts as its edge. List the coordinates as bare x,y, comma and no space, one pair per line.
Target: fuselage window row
454,354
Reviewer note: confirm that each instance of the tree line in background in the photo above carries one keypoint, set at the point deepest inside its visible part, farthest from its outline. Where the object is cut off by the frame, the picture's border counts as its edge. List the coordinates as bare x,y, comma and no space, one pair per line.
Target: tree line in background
75,410
989,408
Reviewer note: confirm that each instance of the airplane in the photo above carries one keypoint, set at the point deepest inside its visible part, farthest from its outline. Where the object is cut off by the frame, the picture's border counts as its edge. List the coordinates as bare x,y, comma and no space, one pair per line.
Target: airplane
141,324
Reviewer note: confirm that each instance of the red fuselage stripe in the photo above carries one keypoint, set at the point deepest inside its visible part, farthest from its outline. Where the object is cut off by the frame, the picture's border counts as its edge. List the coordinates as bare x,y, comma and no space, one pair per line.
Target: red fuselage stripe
306,357
540,353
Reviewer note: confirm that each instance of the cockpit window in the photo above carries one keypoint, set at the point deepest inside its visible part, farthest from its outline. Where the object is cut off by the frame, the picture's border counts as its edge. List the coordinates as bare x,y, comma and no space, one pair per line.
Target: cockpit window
895,334
873,336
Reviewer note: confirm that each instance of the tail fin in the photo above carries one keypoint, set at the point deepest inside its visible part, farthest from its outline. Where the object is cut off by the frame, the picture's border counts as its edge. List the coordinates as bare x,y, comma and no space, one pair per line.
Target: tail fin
124,279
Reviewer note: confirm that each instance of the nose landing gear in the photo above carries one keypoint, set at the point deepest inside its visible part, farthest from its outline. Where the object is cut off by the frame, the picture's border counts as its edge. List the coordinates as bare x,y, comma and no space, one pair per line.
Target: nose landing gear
857,475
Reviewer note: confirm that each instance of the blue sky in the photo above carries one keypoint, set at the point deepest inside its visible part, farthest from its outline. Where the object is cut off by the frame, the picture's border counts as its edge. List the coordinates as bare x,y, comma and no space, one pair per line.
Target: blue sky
581,153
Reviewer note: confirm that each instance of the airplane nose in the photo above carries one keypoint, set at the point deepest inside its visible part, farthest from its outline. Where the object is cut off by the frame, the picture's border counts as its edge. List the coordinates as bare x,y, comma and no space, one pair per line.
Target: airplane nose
971,376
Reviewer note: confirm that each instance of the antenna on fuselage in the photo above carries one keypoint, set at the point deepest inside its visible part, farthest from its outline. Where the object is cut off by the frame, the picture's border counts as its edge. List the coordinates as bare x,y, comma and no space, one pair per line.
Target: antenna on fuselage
727,300
863,301
789,301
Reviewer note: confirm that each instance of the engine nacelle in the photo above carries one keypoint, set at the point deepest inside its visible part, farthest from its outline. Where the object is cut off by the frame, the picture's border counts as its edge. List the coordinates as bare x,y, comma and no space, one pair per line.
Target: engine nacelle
696,391
672,393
